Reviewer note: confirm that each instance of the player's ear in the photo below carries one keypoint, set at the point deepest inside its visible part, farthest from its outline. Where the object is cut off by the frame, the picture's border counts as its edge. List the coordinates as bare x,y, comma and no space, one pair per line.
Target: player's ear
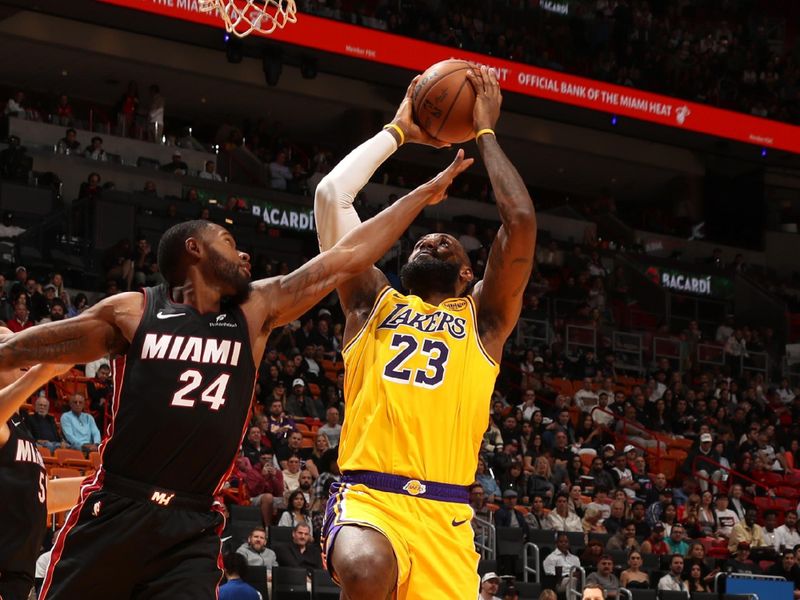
466,274
193,247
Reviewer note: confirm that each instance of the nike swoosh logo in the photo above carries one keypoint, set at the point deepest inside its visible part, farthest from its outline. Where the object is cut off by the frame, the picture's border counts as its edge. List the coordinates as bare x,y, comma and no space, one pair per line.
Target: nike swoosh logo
162,315
457,523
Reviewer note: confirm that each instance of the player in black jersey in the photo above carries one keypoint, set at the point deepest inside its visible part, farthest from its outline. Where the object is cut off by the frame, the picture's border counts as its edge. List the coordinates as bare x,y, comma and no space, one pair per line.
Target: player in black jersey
146,527
26,496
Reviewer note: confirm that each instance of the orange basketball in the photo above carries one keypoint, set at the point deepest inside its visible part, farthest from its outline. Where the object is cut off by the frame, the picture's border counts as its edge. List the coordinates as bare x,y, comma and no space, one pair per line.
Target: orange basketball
444,100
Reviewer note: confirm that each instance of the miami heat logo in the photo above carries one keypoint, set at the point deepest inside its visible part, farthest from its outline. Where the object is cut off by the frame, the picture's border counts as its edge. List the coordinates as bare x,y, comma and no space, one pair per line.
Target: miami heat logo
414,487
681,113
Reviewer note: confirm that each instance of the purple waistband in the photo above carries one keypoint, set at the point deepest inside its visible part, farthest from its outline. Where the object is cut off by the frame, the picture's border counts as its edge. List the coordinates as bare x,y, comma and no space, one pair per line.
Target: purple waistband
397,484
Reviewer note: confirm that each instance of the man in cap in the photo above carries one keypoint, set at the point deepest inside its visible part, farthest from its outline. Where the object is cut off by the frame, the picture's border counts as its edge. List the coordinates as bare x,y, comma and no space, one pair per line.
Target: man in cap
507,516
490,584
300,404
704,461
176,166
656,509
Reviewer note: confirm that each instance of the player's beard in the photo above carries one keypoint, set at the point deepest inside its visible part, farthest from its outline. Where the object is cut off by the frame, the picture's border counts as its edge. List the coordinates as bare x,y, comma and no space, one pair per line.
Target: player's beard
230,275
427,276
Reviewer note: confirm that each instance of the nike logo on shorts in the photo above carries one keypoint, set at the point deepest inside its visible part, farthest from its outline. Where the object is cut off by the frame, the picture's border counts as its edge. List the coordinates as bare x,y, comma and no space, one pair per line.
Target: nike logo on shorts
162,315
457,523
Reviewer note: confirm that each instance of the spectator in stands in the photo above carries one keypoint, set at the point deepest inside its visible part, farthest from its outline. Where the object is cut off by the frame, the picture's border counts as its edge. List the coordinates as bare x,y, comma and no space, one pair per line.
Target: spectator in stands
21,319
155,115
741,562
508,516
600,500
633,577
536,518
695,579
624,539
296,511
15,165
562,518
614,522
145,265
101,393
91,187
655,544
210,171
488,482
69,144
560,562
490,584
78,427
280,174
300,404
252,446
15,106
787,536
592,521
676,541
64,114
265,484
725,518
604,577
291,473
235,565
300,553
279,424
586,398
332,429
176,166
42,425
255,550
95,150
673,581
747,531
787,568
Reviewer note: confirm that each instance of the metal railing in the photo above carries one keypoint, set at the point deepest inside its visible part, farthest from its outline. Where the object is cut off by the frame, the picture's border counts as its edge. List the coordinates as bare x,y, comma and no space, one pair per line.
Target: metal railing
578,583
580,338
533,332
629,351
670,348
485,538
626,592
530,550
710,354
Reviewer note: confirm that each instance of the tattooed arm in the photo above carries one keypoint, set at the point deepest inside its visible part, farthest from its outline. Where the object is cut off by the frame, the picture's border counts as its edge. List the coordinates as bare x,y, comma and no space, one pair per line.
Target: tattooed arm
105,328
499,295
282,299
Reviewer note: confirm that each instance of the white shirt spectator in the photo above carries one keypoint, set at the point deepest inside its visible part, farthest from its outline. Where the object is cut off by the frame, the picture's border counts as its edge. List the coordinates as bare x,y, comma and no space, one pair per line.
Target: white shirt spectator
601,417
726,519
670,583
91,368
585,398
736,347
333,433
786,395
279,174
788,538
724,331
603,509
556,522
558,559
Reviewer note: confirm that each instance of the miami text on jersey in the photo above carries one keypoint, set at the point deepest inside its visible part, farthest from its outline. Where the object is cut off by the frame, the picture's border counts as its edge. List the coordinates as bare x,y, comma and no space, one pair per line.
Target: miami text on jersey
27,452
440,320
192,349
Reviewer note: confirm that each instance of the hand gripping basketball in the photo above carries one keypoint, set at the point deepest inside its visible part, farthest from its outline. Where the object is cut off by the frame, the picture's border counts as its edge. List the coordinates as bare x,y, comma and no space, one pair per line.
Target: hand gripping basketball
488,98
404,119
439,184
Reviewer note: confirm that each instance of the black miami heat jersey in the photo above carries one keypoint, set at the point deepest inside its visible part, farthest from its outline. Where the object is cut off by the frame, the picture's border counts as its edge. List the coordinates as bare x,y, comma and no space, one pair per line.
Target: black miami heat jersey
23,501
182,397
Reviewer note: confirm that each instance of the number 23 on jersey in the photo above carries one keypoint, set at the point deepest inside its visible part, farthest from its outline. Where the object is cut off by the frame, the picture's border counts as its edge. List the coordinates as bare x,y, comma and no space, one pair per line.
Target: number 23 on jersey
431,375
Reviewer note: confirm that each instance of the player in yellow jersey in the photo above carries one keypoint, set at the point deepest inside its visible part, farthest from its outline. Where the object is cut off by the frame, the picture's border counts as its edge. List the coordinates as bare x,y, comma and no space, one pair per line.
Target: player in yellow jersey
419,372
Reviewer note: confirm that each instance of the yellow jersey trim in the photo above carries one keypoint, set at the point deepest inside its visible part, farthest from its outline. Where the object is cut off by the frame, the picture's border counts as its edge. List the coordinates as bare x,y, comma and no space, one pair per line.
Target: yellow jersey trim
474,312
385,290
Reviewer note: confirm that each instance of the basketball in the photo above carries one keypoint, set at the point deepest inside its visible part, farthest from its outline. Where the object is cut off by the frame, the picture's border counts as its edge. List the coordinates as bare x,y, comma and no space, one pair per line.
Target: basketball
444,100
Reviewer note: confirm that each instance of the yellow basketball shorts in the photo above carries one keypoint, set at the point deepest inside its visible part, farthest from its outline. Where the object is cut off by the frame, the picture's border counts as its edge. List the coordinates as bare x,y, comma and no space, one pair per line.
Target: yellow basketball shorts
427,524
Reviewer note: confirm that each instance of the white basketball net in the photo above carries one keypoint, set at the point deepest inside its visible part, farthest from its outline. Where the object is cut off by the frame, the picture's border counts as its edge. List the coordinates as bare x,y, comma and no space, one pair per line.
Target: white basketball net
243,17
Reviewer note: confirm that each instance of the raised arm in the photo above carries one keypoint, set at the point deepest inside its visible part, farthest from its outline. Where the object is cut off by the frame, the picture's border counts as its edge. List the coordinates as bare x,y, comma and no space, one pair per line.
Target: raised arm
16,393
499,295
283,299
104,328
335,215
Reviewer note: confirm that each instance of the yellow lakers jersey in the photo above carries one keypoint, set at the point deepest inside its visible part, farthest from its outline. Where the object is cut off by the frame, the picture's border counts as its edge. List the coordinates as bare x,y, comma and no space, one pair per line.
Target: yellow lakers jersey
417,390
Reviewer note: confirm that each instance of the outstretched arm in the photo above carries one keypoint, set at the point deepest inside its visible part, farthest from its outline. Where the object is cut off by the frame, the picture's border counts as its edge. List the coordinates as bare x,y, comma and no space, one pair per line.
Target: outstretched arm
15,394
283,299
335,215
102,329
499,295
